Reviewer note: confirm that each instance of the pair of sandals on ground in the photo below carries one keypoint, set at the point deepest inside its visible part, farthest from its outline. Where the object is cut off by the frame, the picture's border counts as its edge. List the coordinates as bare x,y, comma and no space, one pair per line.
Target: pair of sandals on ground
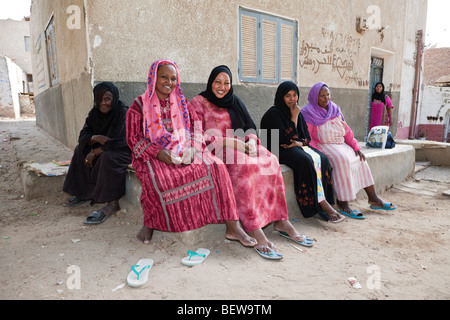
97,216
139,272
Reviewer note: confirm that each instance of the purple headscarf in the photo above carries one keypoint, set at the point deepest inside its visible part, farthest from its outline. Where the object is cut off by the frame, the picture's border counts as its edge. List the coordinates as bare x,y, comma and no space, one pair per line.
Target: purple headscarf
315,114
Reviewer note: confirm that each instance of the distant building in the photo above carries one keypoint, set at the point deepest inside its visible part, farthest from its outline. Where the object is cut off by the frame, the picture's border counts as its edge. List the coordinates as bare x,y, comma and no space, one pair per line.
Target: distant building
434,115
347,44
16,80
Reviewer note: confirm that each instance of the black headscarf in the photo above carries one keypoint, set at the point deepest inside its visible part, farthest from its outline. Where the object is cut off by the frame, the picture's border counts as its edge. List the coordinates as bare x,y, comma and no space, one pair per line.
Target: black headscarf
111,124
302,133
379,96
239,116
283,90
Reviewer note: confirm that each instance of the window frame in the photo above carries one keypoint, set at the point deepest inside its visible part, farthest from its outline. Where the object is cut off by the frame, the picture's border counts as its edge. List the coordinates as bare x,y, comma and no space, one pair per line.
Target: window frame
260,16
51,52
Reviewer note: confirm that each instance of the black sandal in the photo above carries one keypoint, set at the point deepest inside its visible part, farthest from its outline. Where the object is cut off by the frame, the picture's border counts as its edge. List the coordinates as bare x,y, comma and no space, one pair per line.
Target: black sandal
74,201
96,217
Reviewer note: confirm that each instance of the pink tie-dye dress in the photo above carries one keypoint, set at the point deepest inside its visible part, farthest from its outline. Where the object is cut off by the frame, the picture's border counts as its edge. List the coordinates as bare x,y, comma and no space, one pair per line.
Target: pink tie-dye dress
258,184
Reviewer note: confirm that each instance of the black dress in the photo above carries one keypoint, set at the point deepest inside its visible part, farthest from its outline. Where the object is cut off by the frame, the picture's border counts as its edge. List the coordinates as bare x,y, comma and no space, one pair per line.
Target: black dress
305,176
105,181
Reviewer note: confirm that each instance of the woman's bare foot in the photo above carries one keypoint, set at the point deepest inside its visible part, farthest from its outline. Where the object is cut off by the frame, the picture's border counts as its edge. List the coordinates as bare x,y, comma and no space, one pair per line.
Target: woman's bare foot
263,244
236,233
336,217
286,226
145,235
332,214
343,205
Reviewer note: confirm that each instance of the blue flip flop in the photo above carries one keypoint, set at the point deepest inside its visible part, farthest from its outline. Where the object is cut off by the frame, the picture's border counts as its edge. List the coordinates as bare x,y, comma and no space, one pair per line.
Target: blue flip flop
272,255
386,206
355,214
307,242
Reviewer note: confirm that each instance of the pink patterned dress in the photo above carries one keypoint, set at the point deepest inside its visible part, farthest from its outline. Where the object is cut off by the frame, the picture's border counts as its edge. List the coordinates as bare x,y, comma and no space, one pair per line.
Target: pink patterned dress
258,184
178,198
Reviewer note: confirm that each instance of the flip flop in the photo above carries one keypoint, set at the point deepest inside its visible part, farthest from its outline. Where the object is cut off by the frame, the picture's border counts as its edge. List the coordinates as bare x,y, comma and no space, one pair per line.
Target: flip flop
96,217
356,214
73,202
139,273
342,218
195,258
386,206
272,255
307,242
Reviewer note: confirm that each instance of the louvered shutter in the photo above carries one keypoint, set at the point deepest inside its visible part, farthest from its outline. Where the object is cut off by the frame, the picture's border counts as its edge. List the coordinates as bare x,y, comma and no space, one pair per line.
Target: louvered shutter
249,60
269,50
287,52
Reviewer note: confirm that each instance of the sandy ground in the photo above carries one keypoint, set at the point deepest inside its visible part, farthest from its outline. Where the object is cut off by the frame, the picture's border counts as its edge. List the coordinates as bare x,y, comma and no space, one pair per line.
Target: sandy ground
399,255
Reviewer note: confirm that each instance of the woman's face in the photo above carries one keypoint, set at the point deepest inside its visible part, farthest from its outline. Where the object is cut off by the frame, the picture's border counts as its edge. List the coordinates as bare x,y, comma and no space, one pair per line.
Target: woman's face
379,88
221,85
324,97
166,81
291,99
105,105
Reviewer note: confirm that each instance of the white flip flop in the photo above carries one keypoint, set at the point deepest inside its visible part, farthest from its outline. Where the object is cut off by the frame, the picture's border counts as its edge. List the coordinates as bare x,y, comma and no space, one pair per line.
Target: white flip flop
139,273
195,258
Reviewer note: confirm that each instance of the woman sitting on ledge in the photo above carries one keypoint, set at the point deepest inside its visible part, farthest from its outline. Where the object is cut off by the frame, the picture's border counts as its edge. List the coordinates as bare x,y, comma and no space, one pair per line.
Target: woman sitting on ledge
99,164
331,135
183,186
255,173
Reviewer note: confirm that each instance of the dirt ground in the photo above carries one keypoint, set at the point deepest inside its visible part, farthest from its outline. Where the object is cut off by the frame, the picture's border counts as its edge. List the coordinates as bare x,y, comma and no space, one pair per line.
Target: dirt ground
45,248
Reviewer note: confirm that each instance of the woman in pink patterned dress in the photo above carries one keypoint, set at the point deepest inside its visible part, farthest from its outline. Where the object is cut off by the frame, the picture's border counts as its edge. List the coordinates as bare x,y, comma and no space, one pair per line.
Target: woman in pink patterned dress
330,134
183,186
255,173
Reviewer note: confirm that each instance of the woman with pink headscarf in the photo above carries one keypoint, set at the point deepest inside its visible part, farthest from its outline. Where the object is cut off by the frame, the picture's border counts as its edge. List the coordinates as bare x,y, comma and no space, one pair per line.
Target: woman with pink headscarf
183,186
331,135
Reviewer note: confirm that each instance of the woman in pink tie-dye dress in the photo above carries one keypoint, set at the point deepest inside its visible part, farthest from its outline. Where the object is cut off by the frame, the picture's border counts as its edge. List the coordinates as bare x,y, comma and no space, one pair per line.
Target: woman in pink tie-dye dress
255,173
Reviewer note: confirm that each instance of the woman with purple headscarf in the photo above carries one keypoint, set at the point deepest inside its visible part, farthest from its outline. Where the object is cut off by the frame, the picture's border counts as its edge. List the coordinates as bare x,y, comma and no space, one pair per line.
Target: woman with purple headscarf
331,135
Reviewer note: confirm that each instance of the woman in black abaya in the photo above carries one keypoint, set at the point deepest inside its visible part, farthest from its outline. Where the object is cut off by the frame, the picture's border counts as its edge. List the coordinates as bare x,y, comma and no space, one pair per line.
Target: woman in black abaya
98,167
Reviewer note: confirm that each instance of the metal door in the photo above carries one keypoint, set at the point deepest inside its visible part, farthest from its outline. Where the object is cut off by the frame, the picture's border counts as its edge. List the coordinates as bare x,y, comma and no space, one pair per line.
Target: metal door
376,75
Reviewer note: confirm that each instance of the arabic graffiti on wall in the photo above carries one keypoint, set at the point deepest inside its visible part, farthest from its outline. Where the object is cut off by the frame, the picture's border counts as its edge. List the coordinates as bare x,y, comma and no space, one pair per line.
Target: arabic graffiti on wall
336,52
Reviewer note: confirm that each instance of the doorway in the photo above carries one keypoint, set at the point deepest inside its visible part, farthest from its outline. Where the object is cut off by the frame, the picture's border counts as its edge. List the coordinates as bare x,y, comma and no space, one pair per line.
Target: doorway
376,75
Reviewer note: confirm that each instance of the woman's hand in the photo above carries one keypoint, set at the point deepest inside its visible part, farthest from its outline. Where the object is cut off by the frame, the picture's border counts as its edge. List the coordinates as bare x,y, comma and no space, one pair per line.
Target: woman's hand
89,160
294,143
168,157
295,110
99,139
361,155
250,147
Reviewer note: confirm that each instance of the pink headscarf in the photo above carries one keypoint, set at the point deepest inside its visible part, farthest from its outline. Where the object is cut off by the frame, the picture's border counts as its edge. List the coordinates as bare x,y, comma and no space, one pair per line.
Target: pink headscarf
154,129
315,114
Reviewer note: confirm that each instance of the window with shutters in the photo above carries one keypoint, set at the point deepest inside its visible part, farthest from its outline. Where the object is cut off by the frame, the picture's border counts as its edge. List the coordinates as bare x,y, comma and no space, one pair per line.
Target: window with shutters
267,48
51,52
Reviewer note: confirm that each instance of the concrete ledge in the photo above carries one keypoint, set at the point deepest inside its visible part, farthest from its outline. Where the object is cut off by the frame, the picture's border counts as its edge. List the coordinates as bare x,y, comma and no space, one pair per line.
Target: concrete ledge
389,166
438,153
